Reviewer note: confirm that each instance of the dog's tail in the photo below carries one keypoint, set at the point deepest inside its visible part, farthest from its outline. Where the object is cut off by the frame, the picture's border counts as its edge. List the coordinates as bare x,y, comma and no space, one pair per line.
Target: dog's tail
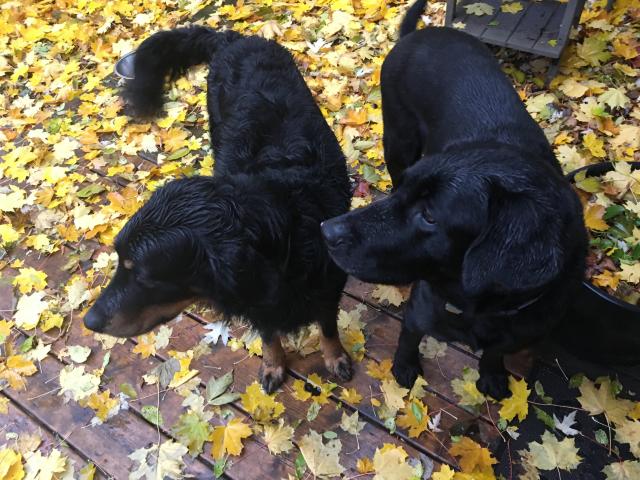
169,53
410,21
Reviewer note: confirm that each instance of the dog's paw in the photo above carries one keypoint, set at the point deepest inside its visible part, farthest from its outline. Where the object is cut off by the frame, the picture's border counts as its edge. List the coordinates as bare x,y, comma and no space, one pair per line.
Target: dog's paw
271,378
340,366
406,372
494,385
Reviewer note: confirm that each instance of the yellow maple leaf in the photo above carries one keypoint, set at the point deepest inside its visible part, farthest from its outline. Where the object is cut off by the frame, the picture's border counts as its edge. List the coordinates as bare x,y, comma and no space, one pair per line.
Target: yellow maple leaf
380,371
595,145
102,403
414,417
8,234
261,407
602,400
254,347
606,279
322,459
4,408
393,394
278,437
146,345
466,388
630,273
514,7
299,392
354,342
389,463
5,329
364,465
517,404
29,279
629,432
635,413
472,456
572,88
350,395
11,465
228,438
14,369
29,309
593,214
388,294
445,473
14,200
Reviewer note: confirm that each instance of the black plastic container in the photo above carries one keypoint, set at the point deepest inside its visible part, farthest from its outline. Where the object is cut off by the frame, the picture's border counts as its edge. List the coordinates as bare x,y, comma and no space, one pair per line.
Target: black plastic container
600,326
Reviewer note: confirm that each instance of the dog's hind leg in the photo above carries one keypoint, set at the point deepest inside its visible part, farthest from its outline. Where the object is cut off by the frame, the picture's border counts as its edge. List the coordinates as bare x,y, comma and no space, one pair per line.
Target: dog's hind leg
336,359
272,370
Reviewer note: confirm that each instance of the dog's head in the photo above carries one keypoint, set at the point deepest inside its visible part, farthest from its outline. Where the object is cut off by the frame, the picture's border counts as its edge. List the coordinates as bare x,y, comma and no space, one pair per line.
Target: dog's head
175,250
487,221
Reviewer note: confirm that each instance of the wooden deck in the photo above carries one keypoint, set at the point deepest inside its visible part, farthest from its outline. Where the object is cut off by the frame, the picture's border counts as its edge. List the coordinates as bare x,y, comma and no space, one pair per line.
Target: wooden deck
540,27
67,426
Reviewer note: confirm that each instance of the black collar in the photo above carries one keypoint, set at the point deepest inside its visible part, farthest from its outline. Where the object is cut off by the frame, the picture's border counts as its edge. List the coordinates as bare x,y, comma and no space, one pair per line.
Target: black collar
509,312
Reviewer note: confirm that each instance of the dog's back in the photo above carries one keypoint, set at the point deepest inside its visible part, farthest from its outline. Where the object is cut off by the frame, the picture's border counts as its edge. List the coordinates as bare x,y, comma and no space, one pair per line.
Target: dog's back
456,91
262,114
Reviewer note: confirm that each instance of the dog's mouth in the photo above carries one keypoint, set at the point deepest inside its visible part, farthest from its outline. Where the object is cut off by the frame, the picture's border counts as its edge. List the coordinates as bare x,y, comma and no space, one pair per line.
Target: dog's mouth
126,326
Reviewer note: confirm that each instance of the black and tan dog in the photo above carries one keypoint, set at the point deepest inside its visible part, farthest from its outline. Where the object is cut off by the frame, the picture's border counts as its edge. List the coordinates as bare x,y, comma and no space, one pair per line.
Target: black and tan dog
247,240
481,217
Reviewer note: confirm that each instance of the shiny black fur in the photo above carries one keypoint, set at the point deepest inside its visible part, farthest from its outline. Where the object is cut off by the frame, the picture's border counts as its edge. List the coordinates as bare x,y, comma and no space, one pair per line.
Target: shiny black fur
247,240
481,216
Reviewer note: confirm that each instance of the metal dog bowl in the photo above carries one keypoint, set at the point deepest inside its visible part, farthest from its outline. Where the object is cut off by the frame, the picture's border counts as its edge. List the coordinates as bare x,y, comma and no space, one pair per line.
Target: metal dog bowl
124,66
600,326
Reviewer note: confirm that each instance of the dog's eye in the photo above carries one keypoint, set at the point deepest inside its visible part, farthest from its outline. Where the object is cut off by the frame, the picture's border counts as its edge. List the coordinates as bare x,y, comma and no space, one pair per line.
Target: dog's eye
427,217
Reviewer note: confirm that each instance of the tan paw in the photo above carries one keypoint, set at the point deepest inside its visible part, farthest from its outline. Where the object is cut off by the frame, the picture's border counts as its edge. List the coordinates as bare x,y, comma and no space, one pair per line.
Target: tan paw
271,377
340,366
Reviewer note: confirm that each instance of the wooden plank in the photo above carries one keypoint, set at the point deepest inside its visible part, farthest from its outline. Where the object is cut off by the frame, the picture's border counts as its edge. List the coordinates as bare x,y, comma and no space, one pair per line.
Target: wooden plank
507,23
531,26
188,333
107,445
126,367
474,24
551,33
16,424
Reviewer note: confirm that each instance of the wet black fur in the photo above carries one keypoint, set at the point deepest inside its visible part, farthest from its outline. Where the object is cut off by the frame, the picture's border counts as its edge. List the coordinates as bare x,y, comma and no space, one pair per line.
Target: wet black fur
248,239
481,215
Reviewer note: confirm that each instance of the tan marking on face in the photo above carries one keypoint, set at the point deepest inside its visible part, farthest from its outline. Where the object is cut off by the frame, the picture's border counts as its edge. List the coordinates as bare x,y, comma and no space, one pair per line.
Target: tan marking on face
128,264
146,320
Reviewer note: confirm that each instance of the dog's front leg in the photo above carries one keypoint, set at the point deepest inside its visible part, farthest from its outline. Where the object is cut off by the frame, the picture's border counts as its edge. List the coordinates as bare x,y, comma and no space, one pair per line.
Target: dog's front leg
272,370
336,359
406,361
493,379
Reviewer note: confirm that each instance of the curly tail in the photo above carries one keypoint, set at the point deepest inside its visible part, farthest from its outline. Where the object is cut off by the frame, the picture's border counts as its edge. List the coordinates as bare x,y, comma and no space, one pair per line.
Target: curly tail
410,21
169,53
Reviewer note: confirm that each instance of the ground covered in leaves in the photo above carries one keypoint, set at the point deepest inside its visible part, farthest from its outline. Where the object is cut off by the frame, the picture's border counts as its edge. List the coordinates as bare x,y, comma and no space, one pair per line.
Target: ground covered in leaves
183,400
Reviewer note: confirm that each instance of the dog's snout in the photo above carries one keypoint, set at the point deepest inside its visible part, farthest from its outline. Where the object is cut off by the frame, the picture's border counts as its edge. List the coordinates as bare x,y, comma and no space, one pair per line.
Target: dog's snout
335,232
94,321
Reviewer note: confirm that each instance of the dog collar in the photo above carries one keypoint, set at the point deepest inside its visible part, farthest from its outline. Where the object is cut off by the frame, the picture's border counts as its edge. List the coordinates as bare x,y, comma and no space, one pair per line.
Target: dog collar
451,308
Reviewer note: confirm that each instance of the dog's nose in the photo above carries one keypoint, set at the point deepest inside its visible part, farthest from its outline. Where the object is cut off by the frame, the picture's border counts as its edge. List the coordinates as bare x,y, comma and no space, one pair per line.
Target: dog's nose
334,232
94,321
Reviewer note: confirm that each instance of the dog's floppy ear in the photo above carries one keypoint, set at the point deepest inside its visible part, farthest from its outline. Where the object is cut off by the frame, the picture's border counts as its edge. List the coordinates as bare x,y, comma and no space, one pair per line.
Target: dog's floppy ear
519,248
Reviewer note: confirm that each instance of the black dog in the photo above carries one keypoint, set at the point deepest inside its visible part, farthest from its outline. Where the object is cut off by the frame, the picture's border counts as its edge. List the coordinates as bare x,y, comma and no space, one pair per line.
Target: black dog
247,240
481,217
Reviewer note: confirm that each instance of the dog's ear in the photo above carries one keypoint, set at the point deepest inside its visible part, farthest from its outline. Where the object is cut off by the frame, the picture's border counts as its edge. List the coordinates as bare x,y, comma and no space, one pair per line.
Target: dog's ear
520,246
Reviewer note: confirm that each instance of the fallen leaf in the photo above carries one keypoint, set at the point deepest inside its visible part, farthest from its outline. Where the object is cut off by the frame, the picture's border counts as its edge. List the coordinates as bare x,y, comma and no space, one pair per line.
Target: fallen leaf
278,437
517,404
228,438
552,454
323,460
